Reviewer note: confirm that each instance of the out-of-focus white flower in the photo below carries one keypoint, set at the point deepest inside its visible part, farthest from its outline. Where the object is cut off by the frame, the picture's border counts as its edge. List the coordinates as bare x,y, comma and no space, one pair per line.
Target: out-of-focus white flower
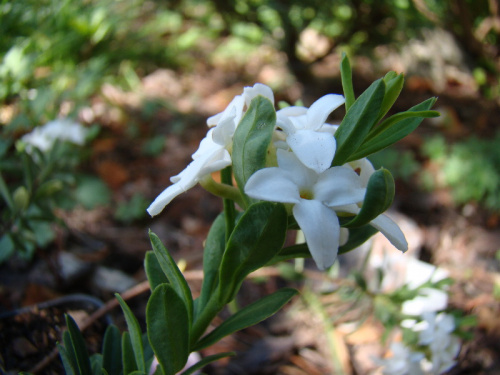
43,137
214,152
307,135
429,300
402,362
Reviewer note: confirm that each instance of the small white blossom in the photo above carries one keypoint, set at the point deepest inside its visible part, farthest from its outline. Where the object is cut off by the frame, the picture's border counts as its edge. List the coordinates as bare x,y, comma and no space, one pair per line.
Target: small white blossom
403,361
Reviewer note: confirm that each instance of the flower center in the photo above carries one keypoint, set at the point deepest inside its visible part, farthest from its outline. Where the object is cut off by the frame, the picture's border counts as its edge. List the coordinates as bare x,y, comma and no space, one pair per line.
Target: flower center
306,194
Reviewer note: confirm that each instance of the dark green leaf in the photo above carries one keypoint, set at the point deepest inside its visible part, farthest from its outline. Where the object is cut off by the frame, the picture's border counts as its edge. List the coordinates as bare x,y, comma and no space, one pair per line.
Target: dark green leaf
248,316
112,351
174,275
212,257
394,129
346,77
96,364
378,198
67,356
205,361
357,237
256,239
358,121
128,356
251,140
168,328
4,190
393,86
135,334
291,252
153,270
78,346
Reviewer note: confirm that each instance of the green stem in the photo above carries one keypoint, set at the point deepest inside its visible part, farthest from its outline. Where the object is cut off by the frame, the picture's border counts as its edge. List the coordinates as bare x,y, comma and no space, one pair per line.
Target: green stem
209,312
229,210
222,190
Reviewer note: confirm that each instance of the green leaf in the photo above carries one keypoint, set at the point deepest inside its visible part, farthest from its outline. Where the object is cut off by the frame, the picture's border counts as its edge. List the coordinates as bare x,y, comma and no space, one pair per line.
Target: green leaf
153,270
378,198
256,239
128,356
96,364
168,328
212,257
67,356
393,86
112,351
251,140
395,128
205,361
346,77
291,252
4,190
135,335
357,237
173,273
78,347
248,316
358,121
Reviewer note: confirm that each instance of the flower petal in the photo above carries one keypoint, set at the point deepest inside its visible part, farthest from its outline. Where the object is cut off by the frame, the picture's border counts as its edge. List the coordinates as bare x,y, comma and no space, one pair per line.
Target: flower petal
258,89
339,186
321,109
272,184
304,177
167,195
391,231
315,149
321,229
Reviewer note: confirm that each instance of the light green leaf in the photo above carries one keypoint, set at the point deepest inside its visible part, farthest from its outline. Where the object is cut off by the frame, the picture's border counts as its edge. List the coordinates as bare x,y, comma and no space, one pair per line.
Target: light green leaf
378,198
153,270
173,273
358,121
135,335
112,351
346,77
395,128
248,316
393,86
251,140
168,328
256,239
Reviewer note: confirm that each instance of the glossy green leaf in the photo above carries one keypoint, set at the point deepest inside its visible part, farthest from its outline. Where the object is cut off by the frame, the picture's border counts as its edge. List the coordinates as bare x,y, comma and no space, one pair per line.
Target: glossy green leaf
135,335
393,86
168,328
346,78
155,274
248,316
378,198
256,239
358,121
78,347
112,351
129,363
251,140
173,273
212,257
395,128
205,361
357,237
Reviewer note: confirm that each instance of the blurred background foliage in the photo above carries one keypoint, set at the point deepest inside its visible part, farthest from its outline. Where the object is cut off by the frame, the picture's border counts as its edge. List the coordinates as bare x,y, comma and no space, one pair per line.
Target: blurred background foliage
56,55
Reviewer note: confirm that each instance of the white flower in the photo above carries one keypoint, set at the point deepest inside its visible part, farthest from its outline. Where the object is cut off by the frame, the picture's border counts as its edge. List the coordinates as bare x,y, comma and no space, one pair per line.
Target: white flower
314,196
307,134
429,299
44,137
214,152
403,361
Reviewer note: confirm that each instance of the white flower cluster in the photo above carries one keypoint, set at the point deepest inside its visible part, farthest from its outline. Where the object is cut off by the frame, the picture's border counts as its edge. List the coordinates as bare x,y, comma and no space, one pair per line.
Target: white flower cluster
43,137
435,337
305,148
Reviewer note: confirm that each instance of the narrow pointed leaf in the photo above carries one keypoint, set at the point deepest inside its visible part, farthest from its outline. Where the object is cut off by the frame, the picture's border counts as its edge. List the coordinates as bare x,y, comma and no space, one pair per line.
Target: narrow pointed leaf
81,355
168,328
135,334
358,121
256,239
112,351
129,364
173,273
357,237
346,77
67,356
248,316
378,198
155,274
251,140
212,257
393,86
395,128
96,364
207,360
